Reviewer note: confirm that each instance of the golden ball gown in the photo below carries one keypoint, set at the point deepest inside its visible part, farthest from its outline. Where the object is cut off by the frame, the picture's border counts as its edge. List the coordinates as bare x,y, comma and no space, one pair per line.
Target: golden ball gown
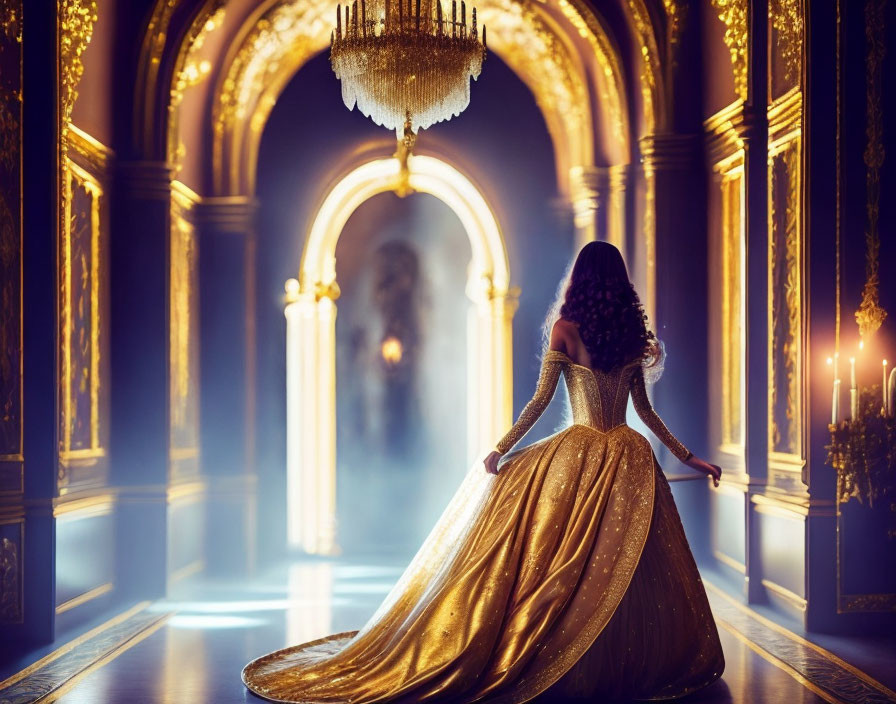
566,574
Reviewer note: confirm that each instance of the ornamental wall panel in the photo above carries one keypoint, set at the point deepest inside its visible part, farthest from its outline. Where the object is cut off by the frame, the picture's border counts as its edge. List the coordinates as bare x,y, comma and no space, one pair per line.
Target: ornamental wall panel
728,160
83,318
786,235
11,459
786,248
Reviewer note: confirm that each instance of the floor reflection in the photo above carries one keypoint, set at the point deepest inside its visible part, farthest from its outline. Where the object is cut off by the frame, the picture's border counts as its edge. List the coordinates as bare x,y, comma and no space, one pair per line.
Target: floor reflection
203,635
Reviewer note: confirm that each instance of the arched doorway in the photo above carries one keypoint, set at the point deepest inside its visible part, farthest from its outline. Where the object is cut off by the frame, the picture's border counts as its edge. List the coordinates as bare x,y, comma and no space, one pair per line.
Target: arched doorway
311,335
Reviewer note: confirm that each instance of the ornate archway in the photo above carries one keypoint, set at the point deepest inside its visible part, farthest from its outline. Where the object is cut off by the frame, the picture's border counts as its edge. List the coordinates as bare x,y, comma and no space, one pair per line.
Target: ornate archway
311,335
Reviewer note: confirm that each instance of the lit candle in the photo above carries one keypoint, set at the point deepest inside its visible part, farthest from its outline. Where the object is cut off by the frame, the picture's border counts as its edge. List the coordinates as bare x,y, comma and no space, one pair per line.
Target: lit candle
835,400
883,389
853,391
891,394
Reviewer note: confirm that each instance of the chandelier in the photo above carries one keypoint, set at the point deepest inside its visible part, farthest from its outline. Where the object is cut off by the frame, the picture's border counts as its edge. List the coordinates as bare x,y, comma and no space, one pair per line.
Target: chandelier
404,64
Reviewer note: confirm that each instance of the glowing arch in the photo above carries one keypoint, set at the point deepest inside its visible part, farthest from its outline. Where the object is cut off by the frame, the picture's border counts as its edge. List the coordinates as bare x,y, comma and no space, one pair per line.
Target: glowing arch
311,335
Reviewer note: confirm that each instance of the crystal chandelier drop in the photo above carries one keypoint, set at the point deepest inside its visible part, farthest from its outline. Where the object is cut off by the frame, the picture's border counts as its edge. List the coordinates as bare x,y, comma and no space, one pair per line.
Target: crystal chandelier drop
404,64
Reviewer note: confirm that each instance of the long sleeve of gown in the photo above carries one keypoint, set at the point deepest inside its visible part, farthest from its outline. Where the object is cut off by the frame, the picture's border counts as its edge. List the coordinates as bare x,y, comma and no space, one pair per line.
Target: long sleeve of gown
551,366
652,420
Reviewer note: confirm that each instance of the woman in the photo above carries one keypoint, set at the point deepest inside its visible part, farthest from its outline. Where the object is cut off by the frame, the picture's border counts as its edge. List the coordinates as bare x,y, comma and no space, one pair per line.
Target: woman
566,573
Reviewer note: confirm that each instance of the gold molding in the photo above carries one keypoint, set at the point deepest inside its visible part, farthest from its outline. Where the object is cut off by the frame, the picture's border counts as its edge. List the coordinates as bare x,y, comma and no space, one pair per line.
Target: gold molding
94,156
866,603
729,561
74,643
785,283
186,571
86,507
785,114
777,662
90,595
736,483
779,506
727,133
798,602
777,628
186,490
730,170
185,196
92,293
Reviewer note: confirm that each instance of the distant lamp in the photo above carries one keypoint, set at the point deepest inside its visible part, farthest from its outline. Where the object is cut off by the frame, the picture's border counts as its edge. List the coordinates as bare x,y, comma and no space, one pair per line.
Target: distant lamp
292,290
392,350
403,63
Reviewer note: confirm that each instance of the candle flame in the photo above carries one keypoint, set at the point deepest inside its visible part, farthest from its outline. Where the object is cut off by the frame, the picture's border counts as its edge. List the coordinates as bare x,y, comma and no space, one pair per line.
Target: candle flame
852,360
391,350
861,344
830,360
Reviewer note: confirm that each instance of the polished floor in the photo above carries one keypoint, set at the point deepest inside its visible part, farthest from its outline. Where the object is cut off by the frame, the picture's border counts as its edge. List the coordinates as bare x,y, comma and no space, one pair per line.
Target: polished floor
190,648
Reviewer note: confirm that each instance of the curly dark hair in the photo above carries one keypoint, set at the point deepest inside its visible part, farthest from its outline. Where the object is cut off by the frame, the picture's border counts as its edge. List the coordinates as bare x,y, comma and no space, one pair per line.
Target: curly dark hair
601,300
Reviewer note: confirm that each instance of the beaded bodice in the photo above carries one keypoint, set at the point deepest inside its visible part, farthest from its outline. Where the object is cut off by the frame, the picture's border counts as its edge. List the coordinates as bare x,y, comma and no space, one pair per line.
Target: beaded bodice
598,400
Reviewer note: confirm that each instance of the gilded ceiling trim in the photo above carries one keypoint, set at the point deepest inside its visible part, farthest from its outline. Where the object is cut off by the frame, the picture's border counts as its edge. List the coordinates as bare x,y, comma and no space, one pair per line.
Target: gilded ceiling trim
735,14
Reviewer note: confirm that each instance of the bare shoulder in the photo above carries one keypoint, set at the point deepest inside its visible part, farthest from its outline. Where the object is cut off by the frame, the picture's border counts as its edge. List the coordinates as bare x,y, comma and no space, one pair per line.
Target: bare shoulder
563,336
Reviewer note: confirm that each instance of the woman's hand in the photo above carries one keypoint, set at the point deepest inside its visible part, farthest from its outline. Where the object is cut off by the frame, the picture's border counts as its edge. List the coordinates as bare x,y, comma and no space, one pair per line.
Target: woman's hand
491,461
712,470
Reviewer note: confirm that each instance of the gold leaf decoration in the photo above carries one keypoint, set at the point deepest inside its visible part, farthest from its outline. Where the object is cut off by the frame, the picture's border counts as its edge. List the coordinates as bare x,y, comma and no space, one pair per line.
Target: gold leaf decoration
787,19
76,19
870,315
736,16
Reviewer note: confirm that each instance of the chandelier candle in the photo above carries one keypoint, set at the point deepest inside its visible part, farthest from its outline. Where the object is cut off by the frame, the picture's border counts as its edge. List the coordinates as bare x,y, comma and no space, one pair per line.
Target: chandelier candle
401,67
853,391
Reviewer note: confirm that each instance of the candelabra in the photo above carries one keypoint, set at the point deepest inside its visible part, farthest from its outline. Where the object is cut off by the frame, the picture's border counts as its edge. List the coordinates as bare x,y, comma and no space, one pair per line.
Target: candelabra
863,446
